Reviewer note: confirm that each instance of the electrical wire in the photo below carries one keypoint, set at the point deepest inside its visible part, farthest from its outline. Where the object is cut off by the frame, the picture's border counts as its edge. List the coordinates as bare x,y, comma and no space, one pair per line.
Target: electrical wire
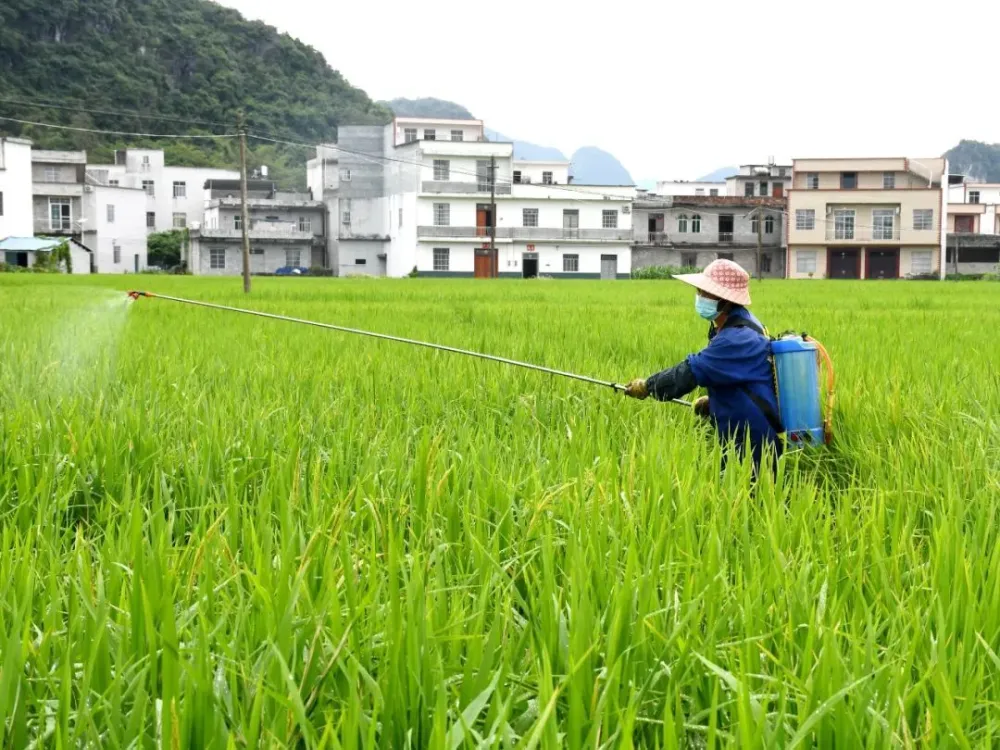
115,132
116,113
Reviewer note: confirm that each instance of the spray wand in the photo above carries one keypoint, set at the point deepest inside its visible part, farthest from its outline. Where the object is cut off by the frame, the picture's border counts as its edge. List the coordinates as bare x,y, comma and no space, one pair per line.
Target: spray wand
135,294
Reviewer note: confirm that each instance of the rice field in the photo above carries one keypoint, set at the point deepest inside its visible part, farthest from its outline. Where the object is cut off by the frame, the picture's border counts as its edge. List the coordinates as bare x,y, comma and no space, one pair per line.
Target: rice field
224,532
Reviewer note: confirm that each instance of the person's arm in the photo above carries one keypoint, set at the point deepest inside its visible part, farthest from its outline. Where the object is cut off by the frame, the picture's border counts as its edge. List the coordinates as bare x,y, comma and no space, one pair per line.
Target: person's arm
672,383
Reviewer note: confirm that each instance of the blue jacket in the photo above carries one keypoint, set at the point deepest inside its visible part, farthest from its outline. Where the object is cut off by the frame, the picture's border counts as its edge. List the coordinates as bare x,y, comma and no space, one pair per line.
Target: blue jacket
735,358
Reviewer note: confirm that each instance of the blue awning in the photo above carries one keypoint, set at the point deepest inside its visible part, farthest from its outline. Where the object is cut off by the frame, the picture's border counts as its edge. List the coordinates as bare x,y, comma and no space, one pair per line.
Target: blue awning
29,244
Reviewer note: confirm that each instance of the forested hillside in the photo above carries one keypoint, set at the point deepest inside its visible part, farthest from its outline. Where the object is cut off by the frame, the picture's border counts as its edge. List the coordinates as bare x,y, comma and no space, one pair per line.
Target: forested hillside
187,59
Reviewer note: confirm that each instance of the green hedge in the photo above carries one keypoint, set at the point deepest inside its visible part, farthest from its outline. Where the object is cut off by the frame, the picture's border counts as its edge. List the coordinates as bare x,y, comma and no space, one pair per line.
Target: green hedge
662,272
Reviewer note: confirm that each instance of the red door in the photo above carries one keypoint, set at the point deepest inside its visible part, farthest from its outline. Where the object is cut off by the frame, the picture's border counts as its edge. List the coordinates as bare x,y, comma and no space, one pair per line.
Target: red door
483,221
965,224
778,190
485,263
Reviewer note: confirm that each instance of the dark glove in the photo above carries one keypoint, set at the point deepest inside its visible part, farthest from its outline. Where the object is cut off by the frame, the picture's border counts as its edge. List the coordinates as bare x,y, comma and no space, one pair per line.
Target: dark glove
637,389
701,406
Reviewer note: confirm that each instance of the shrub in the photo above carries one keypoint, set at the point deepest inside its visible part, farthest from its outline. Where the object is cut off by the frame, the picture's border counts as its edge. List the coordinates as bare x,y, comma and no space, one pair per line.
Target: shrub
662,272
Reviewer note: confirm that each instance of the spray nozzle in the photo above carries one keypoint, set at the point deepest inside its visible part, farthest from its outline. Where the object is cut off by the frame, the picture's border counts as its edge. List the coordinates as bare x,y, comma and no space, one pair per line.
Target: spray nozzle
135,294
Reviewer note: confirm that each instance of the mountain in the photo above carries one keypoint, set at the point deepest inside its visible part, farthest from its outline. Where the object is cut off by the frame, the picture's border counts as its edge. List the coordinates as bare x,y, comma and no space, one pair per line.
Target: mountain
980,161
719,175
187,59
593,166
428,107
590,165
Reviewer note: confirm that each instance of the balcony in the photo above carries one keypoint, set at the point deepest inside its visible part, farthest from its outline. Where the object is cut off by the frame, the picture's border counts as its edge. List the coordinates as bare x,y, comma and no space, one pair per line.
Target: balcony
265,230
462,188
463,232
862,234
58,189
670,239
572,233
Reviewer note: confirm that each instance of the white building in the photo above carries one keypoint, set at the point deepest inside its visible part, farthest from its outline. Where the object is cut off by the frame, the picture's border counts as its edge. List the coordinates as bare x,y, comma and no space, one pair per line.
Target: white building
667,188
114,228
429,203
175,196
15,188
57,192
760,181
973,227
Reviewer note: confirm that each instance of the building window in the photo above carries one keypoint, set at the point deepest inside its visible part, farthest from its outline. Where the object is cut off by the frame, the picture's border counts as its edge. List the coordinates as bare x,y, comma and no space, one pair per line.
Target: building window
921,261
256,251
696,224
442,214
441,257
409,135
973,196
60,215
923,219
699,191
345,218
805,219
111,213
888,180
180,190
430,134
769,225
529,217
116,254
805,261
113,183
400,218
848,180
345,175
763,189
883,223
361,261
609,219
442,170
765,260
149,186
292,257
682,223
52,174
217,258
517,176
305,224
748,190
546,178
843,224
457,135
754,224
180,221
725,256
689,260
571,263
484,175
150,220
812,181
713,191
1,203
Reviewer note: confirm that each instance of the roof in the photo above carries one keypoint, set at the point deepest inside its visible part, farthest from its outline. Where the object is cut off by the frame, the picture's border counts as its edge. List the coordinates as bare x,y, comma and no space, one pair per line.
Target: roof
255,185
727,200
41,156
12,139
29,244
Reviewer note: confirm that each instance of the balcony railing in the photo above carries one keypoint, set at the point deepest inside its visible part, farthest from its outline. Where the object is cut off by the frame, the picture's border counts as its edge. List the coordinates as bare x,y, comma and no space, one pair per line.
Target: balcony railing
862,234
463,188
669,239
725,236
572,233
463,232
260,232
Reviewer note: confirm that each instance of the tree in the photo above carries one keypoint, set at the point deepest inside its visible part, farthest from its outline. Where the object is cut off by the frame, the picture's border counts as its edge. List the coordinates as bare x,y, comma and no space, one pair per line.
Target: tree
164,248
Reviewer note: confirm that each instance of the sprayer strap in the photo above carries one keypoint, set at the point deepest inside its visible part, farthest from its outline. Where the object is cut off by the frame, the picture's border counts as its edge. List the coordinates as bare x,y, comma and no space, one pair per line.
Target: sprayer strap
766,409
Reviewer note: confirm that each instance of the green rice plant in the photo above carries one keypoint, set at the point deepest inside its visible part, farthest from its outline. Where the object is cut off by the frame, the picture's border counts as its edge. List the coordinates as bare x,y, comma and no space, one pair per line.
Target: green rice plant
219,531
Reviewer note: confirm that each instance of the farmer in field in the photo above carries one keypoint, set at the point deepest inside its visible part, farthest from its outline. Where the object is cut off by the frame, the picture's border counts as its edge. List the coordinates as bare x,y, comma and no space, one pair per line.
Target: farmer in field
735,367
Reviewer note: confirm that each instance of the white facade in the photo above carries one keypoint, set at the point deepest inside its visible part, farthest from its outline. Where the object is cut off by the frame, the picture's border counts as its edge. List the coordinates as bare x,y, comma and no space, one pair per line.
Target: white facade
114,228
15,188
684,187
541,172
760,181
408,129
174,195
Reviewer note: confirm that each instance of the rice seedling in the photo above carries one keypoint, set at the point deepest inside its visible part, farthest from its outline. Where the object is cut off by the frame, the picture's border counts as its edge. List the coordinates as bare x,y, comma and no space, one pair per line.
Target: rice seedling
224,532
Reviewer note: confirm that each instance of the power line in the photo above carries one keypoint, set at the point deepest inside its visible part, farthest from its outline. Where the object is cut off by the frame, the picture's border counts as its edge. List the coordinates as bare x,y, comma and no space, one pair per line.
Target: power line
114,132
117,113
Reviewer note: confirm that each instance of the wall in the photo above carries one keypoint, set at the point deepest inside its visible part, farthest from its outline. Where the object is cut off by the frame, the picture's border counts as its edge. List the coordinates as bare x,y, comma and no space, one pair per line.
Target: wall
65,173
17,218
42,223
643,257
533,171
402,249
127,231
265,257
668,187
866,180
351,251
735,185
472,130
905,260
193,205
862,201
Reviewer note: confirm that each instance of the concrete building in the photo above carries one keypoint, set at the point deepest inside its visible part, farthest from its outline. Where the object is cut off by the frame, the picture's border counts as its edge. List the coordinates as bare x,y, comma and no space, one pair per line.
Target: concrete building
16,213
692,231
57,179
973,227
668,188
426,204
760,181
879,218
114,228
287,230
26,251
175,197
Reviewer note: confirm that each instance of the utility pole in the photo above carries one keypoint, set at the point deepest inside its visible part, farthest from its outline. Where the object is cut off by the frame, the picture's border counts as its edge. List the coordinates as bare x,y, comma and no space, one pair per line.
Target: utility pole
493,216
245,219
760,241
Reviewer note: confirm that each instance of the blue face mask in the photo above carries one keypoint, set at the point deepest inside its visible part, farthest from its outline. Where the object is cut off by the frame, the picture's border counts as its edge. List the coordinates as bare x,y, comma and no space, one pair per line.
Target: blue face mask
706,308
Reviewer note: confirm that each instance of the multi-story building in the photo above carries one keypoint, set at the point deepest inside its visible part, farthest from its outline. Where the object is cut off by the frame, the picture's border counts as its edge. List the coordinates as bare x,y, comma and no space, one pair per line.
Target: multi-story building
692,231
877,218
461,206
57,190
15,188
287,230
760,181
669,188
973,227
174,195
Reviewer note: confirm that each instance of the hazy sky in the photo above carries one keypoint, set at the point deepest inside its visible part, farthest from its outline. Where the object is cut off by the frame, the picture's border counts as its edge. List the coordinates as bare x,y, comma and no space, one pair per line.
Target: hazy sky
675,90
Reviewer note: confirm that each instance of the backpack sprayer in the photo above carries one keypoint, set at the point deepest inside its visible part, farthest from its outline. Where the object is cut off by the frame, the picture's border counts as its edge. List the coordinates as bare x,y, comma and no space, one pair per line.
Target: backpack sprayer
798,361
135,294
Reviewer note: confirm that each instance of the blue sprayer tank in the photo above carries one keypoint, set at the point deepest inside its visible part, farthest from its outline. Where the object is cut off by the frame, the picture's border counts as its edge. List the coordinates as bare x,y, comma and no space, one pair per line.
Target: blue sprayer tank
797,375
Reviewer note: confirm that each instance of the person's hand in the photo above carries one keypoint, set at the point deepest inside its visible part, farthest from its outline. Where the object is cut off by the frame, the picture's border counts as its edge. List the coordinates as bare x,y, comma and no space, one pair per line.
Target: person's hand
701,406
637,389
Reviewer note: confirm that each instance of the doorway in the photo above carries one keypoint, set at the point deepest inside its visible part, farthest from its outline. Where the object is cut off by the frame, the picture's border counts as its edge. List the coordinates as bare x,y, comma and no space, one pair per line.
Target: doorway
965,224
529,266
609,267
726,222
845,264
485,264
571,223
883,264
778,190
135,262
484,219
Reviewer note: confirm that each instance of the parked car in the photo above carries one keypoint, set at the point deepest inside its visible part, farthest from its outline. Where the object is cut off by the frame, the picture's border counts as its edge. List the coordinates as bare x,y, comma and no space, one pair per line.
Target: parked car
292,271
